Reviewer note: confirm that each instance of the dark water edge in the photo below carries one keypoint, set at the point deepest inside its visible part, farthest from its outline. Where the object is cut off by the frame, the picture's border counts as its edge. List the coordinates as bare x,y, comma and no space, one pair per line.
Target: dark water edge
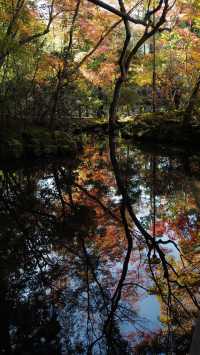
63,246
36,143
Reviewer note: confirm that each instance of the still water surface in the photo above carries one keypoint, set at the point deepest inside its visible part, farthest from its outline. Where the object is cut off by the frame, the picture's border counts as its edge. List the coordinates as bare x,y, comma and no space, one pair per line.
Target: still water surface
63,284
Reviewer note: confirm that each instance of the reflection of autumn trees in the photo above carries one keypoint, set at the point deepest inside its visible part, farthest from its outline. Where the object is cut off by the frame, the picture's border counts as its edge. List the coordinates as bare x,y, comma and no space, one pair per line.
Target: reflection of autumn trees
177,219
26,265
70,279
167,184
67,241
106,241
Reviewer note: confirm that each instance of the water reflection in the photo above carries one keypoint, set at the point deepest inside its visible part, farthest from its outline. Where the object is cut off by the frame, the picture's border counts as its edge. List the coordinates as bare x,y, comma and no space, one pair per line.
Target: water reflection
77,276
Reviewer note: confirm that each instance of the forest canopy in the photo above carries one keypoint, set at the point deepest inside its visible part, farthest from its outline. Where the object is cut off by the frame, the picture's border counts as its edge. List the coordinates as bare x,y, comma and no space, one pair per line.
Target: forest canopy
59,60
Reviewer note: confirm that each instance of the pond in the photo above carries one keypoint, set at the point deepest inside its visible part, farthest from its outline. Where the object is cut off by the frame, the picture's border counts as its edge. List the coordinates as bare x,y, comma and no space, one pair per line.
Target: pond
77,274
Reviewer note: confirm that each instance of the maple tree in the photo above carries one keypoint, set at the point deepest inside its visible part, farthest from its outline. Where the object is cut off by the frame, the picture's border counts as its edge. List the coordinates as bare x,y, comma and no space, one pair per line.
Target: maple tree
64,47
59,63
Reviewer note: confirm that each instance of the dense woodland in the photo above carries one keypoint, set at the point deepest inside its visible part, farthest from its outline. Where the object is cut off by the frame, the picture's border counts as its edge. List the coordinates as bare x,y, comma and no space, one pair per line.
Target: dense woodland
99,177
60,60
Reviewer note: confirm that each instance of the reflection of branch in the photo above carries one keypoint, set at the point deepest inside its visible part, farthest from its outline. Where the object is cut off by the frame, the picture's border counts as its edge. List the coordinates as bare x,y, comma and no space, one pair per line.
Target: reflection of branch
94,198
169,241
57,183
135,284
93,273
108,324
151,243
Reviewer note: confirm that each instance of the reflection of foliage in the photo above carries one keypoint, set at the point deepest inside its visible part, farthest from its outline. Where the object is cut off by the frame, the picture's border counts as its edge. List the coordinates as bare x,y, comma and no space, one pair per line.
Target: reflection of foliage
52,251
63,251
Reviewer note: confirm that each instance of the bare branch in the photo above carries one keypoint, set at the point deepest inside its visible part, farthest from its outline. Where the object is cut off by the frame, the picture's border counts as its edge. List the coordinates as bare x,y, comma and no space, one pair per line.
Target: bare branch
121,14
104,35
71,32
46,30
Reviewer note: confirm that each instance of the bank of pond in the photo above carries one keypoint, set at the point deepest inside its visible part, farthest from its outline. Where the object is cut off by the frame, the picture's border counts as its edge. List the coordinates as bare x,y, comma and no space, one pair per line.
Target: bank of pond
34,141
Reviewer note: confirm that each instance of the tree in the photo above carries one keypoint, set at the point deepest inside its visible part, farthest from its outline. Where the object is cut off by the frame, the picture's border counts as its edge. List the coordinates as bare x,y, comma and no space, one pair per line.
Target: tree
13,35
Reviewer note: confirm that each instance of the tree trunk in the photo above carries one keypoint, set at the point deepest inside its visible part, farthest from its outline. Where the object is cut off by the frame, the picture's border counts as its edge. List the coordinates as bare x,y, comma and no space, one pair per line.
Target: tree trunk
195,346
2,59
190,107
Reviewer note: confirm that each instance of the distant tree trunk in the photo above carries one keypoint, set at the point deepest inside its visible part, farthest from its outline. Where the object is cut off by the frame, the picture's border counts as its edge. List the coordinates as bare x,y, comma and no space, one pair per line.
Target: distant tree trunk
126,59
153,194
154,69
55,99
79,112
191,104
63,74
195,346
2,59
